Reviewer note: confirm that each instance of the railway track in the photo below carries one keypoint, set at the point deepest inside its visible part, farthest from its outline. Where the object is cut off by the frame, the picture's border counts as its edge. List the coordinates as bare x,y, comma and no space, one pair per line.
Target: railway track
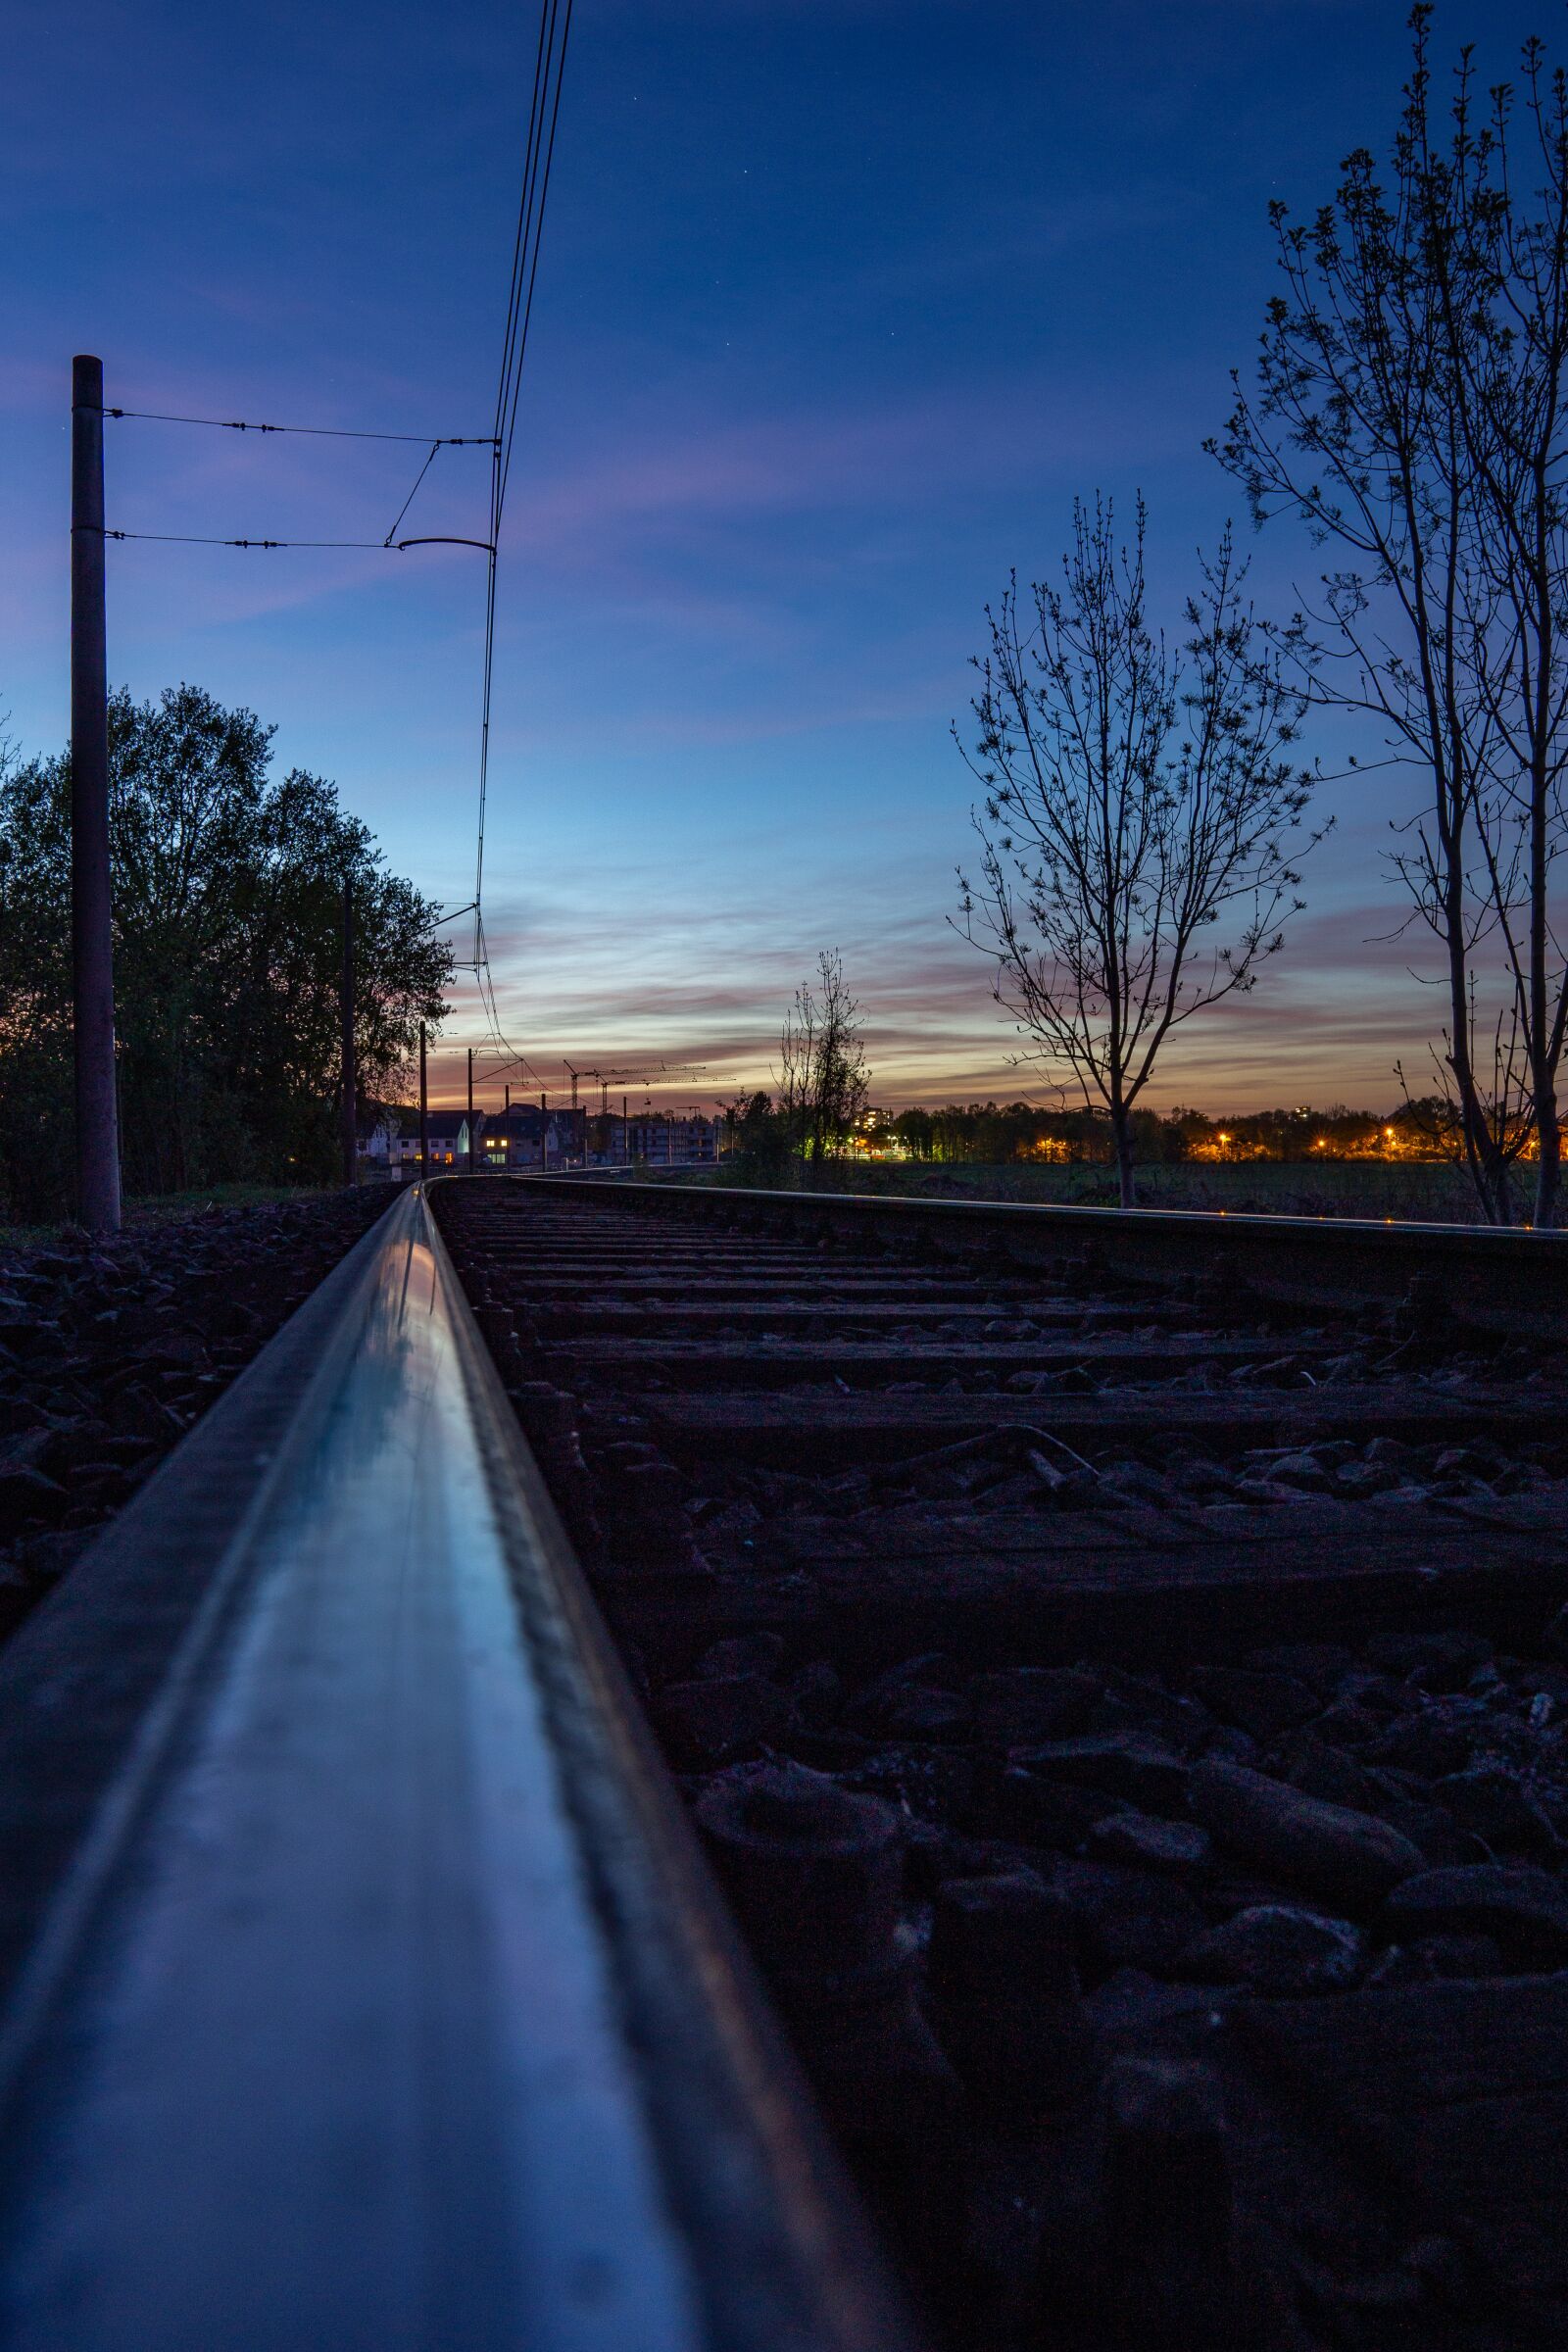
359,1988
1106,1661
1109,1665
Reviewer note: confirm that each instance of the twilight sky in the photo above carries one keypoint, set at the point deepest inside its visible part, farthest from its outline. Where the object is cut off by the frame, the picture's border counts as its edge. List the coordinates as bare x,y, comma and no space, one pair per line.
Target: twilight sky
841,303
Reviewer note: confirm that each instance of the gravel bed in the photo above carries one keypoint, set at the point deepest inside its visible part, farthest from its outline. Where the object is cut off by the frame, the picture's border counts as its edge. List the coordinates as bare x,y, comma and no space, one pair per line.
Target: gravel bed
1159,1865
1039,1895
110,1350
1401,1809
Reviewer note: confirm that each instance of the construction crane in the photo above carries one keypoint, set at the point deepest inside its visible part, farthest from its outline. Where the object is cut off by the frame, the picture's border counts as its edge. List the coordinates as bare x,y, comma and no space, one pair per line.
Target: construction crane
606,1078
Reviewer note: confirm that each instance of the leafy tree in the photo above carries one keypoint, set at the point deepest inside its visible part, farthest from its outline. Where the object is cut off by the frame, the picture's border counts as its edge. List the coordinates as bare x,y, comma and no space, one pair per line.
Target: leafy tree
756,1142
1133,801
228,914
1409,404
914,1130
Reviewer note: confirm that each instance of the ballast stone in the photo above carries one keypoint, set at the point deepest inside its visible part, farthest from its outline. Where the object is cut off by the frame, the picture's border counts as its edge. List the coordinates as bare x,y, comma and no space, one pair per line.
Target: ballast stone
1327,1850
1130,1764
1278,1949
1525,1909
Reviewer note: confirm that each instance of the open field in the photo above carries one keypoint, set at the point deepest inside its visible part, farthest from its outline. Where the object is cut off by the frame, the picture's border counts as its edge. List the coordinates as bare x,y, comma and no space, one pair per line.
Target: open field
1424,1194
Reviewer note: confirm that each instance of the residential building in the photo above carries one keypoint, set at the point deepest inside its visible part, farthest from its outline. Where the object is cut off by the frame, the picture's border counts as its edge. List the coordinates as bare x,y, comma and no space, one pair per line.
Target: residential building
663,1141
520,1137
529,1137
449,1142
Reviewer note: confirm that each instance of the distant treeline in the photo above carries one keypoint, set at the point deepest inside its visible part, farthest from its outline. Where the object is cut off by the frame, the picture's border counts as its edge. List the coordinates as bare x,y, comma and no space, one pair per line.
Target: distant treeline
227,942
995,1133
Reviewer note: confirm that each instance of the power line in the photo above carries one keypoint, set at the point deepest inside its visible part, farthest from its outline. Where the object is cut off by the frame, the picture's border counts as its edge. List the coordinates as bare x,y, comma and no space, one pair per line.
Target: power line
544,111
530,222
415,492
316,431
320,432
381,547
487,1000
194,539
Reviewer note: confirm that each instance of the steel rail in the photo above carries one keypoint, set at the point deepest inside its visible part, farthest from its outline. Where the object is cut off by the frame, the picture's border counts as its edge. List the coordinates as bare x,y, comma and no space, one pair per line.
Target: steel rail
1511,1280
361,1987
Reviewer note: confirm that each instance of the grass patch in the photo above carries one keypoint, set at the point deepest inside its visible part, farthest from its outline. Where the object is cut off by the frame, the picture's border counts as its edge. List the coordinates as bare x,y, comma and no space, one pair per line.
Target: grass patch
169,1208
155,1210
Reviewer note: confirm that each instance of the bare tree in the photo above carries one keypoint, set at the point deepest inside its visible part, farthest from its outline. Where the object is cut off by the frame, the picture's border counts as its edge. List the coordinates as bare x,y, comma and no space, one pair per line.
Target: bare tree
1134,800
823,1080
1409,407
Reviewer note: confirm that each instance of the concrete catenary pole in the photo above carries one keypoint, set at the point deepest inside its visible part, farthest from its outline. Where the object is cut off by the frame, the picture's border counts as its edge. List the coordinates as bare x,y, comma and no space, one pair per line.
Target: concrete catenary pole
91,933
470,1111
425,1112
350,1087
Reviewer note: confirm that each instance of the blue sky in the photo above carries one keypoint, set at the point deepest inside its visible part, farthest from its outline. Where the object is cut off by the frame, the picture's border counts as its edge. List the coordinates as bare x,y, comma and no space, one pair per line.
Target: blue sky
841,303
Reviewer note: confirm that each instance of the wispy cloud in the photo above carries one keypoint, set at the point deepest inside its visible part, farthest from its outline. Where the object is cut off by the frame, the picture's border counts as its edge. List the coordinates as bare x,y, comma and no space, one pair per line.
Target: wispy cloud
666,474
1327,1024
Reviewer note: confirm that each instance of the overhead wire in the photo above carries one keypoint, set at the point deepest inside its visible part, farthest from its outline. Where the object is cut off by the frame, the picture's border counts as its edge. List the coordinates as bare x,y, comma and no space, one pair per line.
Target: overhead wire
531,213
332,432
321,432
195,539
543,46
514,1056
415,492
543,110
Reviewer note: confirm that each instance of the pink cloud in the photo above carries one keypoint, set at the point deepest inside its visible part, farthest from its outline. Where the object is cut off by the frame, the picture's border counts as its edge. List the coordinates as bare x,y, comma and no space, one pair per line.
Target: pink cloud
1327,1024
798,463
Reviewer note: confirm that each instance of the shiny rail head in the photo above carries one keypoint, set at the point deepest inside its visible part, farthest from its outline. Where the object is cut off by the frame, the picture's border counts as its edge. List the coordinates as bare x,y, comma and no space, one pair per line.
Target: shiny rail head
373,1995
1215,1225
